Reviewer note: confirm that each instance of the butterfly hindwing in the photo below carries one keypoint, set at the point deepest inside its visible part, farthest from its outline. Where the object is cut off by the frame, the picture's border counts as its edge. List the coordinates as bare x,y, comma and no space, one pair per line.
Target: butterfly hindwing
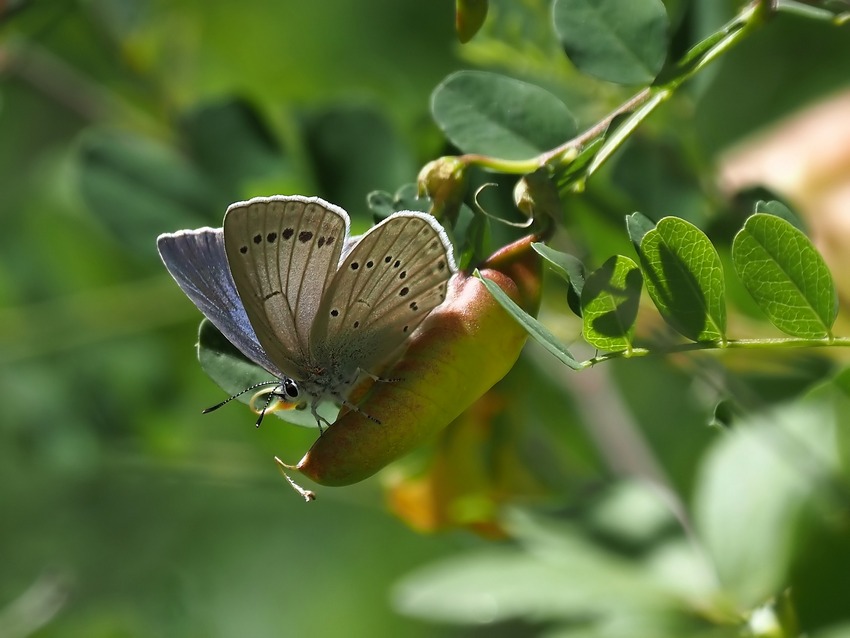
198,263
282,253
385,287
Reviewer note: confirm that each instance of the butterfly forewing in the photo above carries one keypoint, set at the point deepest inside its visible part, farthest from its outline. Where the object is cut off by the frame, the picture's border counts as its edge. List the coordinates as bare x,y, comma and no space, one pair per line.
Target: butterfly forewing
282,252
386,286
198,263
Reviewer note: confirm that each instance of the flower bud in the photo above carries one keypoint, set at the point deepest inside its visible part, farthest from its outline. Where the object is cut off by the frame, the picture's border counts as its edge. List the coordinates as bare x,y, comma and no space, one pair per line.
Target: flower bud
444,180
536,196
469,16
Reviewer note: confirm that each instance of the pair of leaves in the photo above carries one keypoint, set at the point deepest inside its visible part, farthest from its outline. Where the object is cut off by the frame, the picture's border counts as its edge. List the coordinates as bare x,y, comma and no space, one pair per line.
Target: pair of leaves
684,277
775,261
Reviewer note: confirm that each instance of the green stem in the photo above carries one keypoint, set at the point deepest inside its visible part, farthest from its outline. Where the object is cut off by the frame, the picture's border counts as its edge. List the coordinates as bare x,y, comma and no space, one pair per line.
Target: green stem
750,344
640,105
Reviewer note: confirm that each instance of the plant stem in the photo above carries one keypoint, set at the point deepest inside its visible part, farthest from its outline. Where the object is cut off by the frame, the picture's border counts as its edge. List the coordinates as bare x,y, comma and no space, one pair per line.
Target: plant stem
750,344
640,105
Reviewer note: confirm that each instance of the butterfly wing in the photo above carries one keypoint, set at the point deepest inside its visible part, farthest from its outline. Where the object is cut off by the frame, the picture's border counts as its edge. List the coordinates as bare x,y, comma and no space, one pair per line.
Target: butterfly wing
386,286
282,252
198,263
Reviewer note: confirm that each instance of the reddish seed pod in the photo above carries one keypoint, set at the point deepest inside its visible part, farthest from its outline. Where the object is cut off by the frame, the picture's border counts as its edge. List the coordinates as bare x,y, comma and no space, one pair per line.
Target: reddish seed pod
467,344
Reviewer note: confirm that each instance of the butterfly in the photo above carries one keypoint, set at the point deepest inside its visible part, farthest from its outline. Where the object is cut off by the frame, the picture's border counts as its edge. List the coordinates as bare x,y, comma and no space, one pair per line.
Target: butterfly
317,309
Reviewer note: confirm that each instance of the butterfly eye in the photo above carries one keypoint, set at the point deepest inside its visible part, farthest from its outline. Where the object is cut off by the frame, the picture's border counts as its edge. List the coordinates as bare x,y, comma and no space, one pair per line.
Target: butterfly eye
290,388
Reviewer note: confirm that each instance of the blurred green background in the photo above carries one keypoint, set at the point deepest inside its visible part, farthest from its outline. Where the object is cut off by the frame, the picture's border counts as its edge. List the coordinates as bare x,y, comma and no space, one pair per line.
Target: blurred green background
122,504
123,510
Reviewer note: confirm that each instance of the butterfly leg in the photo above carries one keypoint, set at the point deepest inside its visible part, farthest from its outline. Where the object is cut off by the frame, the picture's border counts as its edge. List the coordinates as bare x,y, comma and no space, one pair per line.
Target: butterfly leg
319,418
378,379
308,495
354,408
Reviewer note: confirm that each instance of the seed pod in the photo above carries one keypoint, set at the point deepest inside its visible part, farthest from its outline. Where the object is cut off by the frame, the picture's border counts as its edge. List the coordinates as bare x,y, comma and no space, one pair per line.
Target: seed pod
465,346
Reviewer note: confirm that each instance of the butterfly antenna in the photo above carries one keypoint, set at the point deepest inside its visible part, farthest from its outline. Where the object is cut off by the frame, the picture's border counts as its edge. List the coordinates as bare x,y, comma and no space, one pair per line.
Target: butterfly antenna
239,394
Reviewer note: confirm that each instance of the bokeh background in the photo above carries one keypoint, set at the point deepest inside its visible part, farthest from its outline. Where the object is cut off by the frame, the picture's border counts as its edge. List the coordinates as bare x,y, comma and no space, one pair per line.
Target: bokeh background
123,510
122,506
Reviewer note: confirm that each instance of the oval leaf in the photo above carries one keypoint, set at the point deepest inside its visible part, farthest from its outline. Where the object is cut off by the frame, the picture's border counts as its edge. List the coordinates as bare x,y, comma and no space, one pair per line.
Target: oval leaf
137,187
622,41
537,330
609,304
684,278
569,268
638,225
786,276
495,115
778,209
757,467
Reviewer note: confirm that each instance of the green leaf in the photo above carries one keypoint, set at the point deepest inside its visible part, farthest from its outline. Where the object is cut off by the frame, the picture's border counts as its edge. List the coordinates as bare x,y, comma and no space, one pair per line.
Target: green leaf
138,188
778,209
232,371
726,413
638,225
495,115
759,488
232,144
383,204
333,136
684,278
536,329
786,276
554,573
622,41
569,268
609,304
